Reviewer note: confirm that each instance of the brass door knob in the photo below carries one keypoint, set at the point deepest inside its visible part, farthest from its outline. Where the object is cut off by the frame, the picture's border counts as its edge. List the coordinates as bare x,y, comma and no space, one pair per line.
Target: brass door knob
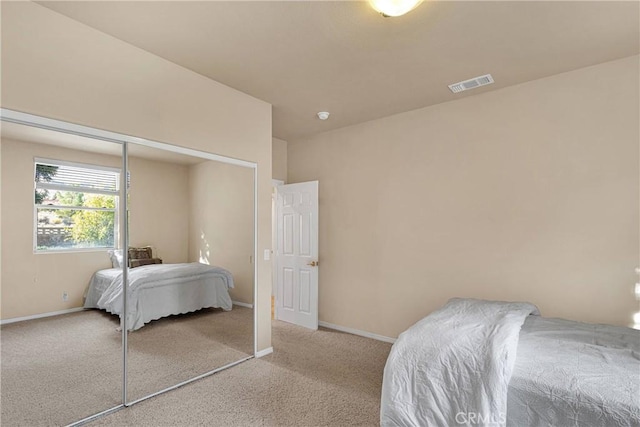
313,263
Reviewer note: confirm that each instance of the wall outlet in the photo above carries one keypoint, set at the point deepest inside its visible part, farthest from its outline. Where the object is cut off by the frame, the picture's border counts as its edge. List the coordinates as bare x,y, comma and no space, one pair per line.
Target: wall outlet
65,296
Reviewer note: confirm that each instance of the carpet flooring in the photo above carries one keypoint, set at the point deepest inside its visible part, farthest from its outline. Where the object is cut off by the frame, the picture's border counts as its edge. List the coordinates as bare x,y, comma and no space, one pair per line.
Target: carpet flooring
61,369
313,378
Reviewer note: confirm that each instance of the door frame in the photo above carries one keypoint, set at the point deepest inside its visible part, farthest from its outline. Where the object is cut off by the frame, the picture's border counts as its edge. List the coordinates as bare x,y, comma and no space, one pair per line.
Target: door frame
274,243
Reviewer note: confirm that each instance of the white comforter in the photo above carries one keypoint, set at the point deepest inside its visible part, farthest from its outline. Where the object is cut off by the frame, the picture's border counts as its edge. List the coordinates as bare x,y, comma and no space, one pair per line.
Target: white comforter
575,374
453,367
172,289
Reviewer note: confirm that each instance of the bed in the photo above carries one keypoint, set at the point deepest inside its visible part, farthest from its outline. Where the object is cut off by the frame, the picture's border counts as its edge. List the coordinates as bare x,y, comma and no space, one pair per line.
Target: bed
160,290
489,363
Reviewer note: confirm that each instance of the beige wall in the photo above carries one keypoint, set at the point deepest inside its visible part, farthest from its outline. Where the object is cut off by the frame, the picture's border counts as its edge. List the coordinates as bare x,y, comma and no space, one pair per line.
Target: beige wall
159,208
279,160
1,181
525,193
221,222
34,283
56,67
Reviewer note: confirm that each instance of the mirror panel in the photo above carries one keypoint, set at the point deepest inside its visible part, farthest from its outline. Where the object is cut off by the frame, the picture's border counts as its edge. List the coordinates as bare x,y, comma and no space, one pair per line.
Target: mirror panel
63,345
196,217
59,368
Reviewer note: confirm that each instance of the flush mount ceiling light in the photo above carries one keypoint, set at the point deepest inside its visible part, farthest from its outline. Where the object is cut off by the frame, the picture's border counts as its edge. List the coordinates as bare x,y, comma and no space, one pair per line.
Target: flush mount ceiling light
388,8
323,115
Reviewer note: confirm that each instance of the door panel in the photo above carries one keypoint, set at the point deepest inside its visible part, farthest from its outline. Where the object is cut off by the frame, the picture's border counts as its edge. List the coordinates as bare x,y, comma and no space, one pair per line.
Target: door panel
297,254
288,234
305,292
305,234
287,297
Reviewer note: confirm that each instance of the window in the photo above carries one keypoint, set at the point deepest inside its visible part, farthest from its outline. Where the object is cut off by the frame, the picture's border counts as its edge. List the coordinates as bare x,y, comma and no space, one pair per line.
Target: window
75,206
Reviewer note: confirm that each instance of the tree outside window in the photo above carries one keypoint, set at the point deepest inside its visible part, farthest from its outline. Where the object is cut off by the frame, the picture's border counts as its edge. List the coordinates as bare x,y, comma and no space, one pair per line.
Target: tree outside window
76,206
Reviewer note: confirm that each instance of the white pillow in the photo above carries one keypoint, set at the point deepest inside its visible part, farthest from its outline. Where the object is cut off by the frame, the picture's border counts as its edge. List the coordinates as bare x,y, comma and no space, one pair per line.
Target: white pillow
116,258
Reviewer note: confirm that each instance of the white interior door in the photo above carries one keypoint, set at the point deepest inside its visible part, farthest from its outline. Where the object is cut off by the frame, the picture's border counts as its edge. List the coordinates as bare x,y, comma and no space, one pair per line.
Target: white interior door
297,254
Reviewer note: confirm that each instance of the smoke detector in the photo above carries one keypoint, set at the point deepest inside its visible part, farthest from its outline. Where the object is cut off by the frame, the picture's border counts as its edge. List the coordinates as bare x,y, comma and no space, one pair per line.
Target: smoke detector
323,115
471,83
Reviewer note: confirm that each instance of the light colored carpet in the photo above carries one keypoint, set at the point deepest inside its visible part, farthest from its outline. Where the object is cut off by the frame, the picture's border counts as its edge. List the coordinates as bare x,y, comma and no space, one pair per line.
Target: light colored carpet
177,348
314,378
50,368
61,369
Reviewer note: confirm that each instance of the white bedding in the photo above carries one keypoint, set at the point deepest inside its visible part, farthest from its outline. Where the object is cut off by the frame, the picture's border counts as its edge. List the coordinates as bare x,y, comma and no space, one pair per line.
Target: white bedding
160,290
458,367
453,365
575,374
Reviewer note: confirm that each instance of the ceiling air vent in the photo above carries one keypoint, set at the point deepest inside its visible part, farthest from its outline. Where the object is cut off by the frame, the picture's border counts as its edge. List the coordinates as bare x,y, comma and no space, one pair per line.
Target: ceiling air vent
471,83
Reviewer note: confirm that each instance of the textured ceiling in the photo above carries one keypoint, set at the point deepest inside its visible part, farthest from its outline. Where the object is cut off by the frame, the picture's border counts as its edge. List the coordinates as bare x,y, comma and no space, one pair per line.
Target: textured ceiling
341,56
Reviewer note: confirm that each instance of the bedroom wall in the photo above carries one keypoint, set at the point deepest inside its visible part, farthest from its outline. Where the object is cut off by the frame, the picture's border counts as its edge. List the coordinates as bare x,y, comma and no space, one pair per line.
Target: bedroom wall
34,283
279,162
56,67
159,206
525,193
221,222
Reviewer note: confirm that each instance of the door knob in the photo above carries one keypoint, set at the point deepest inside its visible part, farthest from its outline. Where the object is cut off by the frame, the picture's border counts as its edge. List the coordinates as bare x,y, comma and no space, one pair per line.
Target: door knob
313,263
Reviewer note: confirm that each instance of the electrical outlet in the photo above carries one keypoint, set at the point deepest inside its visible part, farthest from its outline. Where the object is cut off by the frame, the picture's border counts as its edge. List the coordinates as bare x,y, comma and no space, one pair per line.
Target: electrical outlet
65,296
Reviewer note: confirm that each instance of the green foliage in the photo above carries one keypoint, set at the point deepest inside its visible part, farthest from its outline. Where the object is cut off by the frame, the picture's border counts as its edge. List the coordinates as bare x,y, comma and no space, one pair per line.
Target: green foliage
69,198
40,196
44,173
94,227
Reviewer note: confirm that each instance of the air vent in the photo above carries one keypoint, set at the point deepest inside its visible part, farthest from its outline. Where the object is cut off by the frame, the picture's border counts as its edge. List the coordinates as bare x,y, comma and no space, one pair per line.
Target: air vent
471,83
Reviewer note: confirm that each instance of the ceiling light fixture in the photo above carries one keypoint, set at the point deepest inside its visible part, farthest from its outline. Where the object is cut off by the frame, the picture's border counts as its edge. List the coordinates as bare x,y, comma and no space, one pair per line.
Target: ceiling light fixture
323,115
388,8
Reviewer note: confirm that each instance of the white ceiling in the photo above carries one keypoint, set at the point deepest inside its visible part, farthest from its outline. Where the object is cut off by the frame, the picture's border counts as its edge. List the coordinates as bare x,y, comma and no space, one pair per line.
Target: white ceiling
341,56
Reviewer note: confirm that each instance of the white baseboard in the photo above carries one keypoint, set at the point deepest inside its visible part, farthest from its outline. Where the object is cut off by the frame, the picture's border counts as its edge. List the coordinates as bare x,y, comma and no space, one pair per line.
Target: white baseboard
264,352
357,332
40,316
242,304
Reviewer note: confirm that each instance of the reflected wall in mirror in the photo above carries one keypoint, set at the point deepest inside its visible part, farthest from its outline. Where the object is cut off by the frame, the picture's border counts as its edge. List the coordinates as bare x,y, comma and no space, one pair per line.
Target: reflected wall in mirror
60,194
191,281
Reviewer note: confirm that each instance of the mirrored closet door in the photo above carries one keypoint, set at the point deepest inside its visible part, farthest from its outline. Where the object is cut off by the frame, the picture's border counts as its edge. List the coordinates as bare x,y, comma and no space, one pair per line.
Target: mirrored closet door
60,198
128,268
191,276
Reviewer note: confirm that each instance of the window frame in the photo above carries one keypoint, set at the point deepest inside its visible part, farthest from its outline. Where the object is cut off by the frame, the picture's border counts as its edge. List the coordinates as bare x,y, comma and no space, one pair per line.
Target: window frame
48,186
